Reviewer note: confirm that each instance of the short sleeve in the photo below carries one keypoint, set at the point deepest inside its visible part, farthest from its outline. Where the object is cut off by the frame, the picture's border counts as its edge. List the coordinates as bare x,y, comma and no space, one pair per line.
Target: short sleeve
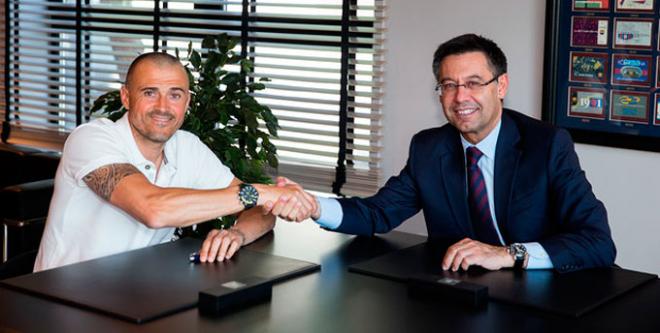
91,146
209,171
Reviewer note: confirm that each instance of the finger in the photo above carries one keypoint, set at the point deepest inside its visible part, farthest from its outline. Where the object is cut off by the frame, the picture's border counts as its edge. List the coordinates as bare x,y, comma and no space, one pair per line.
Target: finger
267,207
461,257
206,245
282,181
289,207
457,261
459,254
302,215
215,245
448,258
279,205
297,212
450,255
316,210
307,200
300,212
465,263
310,207
233,247
312,200
222,253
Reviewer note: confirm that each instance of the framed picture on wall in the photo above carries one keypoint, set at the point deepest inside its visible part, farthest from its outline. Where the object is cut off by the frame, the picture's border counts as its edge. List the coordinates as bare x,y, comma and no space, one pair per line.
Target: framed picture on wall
589,67
633,33
591,5
587,102
589,31
631,69
602,71
629,106
656,114
634,6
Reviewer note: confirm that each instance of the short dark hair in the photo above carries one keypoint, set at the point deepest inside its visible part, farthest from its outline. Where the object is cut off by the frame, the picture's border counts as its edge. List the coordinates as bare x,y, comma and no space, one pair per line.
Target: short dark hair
470,43
160,58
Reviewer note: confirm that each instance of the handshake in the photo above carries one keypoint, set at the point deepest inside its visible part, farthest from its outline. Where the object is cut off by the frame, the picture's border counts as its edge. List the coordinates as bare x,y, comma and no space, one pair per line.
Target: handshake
288,200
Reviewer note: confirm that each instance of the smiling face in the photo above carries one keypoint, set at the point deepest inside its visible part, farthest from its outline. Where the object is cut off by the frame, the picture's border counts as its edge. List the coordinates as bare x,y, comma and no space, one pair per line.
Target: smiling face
156,98
473,112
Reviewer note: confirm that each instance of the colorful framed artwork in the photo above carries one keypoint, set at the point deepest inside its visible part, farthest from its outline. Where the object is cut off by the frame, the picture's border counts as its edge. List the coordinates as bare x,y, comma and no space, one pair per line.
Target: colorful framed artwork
656,113
589,31
635,6
631,69
633,33
589,67
591,5
602,71
629,106
587,102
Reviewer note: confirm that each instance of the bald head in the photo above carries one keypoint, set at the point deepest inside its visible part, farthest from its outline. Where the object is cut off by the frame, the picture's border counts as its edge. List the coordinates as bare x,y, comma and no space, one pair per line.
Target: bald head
158,58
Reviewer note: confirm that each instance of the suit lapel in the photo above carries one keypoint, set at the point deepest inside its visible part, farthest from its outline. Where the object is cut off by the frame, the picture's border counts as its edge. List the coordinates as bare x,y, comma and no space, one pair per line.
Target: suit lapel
506,166
453,174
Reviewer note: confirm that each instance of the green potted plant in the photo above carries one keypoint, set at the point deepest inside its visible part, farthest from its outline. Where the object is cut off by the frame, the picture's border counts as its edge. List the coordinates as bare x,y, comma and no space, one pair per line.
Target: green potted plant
222,114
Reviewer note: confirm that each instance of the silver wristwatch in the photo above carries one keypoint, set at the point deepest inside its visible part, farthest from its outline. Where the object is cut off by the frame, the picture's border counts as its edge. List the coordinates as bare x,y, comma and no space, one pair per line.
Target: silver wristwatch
519,254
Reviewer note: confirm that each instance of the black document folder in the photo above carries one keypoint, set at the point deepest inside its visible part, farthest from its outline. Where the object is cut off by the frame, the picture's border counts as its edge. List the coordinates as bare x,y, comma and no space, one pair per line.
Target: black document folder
571,294
148,283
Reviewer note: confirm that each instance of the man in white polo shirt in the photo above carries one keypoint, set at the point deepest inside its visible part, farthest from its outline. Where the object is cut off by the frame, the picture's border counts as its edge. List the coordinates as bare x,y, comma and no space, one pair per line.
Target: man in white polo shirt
125,185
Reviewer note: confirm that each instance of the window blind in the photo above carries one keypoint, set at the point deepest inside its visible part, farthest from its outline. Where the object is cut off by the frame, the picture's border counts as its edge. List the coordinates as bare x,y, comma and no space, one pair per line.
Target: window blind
324,60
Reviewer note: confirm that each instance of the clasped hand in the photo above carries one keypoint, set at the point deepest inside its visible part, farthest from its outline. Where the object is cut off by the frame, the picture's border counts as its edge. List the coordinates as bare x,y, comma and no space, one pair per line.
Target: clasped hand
289,201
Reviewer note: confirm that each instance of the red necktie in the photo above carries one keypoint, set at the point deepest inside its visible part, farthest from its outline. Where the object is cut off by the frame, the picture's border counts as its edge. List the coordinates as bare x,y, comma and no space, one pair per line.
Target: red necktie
482,221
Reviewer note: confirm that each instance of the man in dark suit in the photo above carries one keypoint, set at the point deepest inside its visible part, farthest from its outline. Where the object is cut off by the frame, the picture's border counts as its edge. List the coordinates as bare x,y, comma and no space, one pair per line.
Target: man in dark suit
509,187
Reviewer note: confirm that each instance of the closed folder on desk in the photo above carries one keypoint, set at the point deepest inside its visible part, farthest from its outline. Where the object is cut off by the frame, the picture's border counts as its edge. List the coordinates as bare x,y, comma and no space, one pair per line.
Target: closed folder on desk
149,283
572,294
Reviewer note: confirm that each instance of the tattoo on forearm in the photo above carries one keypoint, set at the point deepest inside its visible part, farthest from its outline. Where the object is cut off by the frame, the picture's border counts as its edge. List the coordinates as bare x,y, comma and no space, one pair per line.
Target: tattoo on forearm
104,179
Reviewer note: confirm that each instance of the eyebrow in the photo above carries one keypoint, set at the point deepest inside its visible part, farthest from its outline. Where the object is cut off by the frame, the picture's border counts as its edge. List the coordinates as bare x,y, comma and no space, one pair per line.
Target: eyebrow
471,77
169,90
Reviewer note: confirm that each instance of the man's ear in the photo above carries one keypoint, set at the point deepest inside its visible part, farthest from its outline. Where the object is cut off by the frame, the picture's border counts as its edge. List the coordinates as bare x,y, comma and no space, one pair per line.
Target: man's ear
123,92
502,85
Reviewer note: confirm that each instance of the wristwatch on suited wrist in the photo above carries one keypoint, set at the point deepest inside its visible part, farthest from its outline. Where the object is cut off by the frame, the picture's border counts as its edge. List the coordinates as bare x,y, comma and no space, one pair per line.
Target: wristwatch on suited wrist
519,254
248,195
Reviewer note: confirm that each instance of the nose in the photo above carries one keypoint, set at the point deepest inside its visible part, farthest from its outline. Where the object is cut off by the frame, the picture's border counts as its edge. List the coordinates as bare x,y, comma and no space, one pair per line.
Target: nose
161,102
462,93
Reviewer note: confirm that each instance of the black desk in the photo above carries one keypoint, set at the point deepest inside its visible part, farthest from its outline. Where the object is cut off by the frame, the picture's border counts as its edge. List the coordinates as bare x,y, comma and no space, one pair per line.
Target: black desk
334,300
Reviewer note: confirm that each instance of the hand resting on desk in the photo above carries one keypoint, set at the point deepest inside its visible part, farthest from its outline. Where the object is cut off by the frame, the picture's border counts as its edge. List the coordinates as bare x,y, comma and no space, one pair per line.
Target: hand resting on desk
469,252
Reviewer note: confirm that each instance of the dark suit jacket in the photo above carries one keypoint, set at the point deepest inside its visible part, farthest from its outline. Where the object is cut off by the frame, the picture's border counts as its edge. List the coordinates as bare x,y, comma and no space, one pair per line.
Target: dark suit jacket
541,194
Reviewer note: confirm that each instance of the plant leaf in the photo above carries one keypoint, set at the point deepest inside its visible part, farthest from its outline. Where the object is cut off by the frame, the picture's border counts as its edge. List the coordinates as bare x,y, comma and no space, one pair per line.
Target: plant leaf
195,59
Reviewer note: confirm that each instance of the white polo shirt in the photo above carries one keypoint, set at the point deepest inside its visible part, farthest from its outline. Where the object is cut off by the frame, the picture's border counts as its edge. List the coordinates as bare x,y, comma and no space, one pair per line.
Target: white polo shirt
82,226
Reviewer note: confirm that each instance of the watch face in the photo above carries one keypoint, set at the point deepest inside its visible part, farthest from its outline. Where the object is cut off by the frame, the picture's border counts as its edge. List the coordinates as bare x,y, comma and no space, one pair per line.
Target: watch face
248,195
518,250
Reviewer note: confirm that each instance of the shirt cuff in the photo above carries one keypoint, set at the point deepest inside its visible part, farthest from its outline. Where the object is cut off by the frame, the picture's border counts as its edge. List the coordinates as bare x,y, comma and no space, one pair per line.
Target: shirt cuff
331,213
538,257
